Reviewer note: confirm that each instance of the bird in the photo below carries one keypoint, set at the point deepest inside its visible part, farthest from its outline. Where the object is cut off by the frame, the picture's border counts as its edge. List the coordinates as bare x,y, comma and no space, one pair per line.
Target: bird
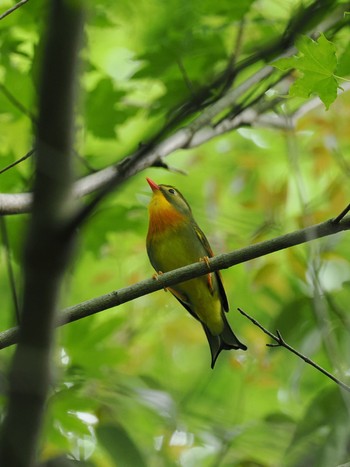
174,239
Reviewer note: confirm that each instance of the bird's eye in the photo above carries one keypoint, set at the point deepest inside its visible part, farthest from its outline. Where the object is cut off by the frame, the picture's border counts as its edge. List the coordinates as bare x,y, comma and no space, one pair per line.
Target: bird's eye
172,191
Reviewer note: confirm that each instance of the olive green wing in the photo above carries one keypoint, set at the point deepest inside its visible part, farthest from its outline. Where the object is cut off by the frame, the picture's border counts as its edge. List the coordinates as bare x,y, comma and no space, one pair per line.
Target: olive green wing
209,252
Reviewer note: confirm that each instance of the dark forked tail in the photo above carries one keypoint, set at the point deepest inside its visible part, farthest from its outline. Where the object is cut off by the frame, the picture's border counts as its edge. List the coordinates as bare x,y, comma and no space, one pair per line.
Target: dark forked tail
224,341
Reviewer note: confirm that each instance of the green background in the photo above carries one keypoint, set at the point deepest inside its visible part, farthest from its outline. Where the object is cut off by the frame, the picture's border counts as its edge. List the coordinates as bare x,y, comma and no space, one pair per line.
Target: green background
133,384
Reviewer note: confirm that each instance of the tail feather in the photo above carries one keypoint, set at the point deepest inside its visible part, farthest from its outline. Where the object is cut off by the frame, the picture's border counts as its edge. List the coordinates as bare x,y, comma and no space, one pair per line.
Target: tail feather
227,340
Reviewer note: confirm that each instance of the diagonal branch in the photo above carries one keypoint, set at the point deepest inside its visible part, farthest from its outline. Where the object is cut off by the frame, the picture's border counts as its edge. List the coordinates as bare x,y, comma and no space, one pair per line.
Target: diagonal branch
20,203
157,148
341,215
8,167
282,343
12,9
16,103
223,261
201,129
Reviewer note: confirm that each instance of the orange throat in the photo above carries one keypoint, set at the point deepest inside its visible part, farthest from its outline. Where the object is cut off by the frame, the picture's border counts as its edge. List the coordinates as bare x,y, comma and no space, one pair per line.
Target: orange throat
162,216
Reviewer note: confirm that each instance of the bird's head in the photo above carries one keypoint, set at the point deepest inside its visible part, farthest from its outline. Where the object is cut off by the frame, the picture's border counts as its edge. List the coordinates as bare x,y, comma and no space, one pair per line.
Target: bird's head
166,197
168,208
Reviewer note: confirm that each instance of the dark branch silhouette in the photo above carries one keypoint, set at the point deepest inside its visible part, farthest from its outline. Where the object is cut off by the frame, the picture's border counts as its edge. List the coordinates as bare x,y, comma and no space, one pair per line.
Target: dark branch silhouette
8,167
16,103
280,342
47,251
341,215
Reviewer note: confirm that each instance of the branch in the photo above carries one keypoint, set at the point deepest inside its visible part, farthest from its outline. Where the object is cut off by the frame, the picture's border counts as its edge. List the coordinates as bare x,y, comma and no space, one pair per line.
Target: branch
282,343
148,154
223,261
16,103
12,9
196,133
8,167
47,251
20,203
341,215
189,137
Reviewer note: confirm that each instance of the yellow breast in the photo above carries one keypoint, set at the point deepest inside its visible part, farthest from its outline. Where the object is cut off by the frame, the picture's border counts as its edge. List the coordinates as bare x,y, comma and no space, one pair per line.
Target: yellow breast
162,215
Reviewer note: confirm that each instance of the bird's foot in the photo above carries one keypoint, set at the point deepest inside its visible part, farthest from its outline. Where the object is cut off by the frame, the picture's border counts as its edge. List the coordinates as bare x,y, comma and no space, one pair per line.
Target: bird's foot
155,277
210,278
206,260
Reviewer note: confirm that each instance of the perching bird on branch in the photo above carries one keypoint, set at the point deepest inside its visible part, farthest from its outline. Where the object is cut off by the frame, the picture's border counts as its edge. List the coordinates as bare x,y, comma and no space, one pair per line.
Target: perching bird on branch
175,240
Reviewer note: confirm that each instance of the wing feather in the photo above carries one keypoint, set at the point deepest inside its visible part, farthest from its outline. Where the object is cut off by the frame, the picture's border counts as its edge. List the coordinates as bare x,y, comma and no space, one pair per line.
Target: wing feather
204,241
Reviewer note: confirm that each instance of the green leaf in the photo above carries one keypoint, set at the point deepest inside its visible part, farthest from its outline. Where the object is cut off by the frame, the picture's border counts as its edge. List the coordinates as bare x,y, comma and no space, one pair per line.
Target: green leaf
318,56
325,88
119,445
104,109
317,62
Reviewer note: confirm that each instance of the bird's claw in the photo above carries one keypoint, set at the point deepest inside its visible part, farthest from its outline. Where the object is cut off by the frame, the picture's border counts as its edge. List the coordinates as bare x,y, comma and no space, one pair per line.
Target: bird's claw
210,279
155,277
206,260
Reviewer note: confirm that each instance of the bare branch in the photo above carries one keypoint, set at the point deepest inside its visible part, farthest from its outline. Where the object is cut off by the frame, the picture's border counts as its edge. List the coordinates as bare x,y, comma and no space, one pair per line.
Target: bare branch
282,343
238,44
184,75
20,203
198,132
341,215
8,167
16,103
12,9
205,97
223,261
15,203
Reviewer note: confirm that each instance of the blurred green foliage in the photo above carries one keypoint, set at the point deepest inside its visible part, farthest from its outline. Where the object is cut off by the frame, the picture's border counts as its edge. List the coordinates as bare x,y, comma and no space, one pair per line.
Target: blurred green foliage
317,63
133,385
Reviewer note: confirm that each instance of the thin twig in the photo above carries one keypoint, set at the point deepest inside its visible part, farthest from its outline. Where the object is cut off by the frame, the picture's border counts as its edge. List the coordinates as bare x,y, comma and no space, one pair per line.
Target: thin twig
31,152
199,101
238,44
14,101
185,76
282,343
223,261
12,9
341,215
194,134
10,272
20,203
